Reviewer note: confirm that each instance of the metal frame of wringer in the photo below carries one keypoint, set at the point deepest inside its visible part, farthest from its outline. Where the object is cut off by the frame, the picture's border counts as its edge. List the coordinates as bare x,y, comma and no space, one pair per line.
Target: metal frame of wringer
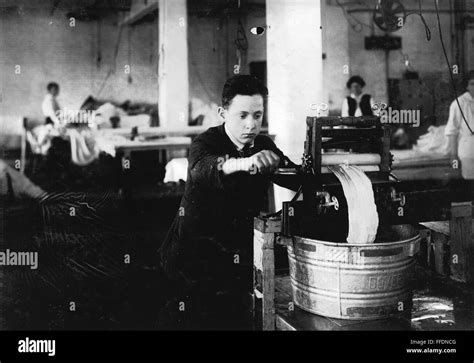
339,281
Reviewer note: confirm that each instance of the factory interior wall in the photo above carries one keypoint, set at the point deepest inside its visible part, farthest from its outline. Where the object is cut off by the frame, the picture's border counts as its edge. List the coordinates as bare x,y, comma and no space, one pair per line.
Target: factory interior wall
344,45
336,50
210,55
48,49
212,58
80,62
212,52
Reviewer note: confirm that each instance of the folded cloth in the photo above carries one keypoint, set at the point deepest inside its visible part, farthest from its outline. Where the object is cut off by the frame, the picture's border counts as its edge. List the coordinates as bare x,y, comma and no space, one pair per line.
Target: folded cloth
84,149
103,115
362,210
21,186
176,170
40,138
433,142
430,149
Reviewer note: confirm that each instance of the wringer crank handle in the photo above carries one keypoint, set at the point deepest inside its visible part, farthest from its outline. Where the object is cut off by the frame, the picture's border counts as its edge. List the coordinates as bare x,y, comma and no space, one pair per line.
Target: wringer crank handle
329,201
397,197
334,202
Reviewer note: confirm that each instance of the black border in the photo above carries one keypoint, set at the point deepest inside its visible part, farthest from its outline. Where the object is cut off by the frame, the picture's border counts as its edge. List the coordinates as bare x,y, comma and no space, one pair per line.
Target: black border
227,345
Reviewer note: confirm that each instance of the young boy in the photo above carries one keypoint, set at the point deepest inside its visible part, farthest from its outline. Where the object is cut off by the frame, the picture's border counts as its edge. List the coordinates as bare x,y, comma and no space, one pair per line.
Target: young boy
208,249
50,105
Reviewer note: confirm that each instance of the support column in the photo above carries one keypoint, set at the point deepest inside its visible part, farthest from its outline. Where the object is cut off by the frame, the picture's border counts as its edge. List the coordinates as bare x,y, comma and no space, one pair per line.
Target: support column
173,80
295,74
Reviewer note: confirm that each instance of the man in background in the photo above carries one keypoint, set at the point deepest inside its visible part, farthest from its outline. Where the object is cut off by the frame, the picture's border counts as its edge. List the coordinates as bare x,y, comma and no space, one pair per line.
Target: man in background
50,104
40,136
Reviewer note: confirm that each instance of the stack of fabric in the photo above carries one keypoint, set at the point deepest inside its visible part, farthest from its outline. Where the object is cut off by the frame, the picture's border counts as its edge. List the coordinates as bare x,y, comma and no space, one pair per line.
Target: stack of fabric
84,149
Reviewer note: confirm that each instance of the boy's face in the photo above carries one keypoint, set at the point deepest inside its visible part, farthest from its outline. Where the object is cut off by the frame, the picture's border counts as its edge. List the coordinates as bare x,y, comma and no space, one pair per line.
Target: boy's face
243,117
54,91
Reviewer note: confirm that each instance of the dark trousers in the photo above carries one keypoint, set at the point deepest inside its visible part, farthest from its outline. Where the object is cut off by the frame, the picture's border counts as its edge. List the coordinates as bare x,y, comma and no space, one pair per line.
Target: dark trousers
211,285
208,304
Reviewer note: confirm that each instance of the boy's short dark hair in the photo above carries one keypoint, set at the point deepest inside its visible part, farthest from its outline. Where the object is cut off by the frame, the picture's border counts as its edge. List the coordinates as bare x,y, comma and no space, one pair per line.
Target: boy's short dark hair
244,85
355,79
469,75
52,85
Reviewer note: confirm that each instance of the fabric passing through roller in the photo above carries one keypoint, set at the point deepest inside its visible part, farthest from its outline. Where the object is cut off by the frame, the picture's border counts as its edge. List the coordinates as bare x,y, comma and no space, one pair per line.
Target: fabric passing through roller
363,216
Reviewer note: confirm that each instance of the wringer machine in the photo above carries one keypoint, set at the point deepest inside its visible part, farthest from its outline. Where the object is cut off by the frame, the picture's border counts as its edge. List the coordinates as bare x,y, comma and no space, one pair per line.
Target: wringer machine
329,277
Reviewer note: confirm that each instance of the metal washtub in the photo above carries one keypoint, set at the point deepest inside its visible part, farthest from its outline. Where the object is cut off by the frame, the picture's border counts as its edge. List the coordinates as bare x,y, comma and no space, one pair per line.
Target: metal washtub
360,282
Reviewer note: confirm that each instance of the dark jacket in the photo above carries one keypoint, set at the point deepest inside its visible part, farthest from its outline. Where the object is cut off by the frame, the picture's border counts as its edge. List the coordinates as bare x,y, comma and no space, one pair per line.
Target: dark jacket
364,105
212,232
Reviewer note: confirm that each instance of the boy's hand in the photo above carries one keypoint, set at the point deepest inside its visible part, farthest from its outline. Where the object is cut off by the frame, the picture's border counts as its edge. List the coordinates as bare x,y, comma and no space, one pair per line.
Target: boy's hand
265,161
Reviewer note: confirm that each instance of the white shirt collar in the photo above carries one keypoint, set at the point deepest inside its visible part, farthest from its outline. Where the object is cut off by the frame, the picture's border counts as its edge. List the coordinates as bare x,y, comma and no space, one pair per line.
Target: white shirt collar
236,142
356,97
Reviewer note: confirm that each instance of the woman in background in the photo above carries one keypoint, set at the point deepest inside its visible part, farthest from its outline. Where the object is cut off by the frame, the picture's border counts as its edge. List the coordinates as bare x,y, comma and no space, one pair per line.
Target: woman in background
461,140
358,103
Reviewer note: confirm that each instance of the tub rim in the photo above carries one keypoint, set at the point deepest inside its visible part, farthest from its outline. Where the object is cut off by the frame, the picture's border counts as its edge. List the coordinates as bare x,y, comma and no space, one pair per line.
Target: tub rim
353,245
